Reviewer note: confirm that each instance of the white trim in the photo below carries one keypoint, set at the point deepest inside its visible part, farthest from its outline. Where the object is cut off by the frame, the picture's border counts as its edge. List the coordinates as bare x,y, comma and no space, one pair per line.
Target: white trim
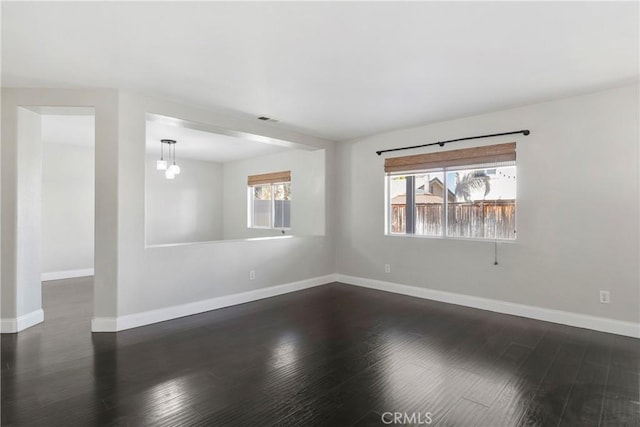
214,242
13,325
579,320
115,324
68,274
104,324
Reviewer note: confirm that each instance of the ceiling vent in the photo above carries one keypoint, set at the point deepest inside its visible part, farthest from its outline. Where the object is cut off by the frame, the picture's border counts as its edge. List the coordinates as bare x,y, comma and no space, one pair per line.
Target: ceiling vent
268,119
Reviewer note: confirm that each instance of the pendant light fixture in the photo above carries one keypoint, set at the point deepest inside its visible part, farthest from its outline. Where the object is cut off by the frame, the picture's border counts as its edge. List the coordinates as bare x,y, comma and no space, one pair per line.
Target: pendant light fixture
171,171
161,164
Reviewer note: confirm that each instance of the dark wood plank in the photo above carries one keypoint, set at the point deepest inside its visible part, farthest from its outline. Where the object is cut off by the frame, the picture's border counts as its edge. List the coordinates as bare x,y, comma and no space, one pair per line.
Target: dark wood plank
585,399
511,404
463,413
621,402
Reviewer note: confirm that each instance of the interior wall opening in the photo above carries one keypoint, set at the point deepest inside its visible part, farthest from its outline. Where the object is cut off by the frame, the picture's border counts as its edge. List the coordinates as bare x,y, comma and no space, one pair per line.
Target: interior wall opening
68,210
204,184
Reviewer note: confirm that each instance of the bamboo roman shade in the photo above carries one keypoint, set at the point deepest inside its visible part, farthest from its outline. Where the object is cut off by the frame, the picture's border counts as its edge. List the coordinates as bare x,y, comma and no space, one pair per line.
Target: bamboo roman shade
269,178
442,159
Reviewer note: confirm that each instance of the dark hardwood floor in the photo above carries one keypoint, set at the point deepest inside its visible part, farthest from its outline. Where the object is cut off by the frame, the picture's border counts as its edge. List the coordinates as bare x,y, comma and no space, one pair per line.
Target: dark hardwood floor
334,355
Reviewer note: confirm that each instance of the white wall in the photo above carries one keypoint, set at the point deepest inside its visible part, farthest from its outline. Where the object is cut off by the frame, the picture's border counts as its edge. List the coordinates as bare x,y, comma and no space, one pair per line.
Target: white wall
29,298
307,193
187,208
578,167
131,279
153,278
577,217
21,214
67,208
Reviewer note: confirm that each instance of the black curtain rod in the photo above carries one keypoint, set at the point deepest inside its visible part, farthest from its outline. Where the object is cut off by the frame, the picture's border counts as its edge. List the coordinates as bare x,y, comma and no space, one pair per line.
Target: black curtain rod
441,143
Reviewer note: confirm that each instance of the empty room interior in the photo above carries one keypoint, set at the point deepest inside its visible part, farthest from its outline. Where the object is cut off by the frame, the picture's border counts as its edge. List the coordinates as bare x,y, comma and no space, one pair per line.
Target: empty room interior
320,213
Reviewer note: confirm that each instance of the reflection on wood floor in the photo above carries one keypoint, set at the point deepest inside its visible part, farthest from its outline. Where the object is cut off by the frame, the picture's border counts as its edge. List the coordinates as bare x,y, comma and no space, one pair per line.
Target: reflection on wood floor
334,355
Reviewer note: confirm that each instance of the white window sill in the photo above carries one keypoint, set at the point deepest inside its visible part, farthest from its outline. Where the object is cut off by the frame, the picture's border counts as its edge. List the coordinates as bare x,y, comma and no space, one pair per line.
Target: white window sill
268,228
208,242
464,239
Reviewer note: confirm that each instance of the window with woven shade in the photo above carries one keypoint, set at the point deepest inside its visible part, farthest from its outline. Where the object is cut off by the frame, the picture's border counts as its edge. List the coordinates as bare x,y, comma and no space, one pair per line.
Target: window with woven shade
467,193
269,200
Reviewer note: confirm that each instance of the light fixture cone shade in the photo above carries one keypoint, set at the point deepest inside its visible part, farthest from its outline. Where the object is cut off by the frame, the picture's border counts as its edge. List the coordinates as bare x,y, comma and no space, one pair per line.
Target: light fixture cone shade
169,174
161,165
175,169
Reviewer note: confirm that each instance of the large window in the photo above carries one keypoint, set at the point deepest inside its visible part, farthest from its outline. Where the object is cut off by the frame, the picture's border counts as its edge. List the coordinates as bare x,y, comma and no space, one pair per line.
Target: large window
449,198
269,200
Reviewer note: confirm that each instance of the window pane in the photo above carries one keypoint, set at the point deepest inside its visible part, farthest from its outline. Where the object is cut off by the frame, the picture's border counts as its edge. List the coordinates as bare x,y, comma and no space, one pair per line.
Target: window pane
429,196
398,198
262,205
282,205
484,205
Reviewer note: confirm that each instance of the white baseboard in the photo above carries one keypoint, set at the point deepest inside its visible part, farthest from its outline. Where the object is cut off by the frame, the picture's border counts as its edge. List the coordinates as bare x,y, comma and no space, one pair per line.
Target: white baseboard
104,324
13,325
68,274
602,324
114,324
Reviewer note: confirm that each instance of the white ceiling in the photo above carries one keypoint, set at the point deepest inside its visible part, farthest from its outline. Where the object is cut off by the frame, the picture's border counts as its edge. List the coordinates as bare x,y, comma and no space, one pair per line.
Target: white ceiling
336,69
192,144
201,145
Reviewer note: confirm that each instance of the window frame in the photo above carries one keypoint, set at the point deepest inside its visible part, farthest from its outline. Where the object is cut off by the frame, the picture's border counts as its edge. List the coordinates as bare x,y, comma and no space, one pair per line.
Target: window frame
251,210
445,210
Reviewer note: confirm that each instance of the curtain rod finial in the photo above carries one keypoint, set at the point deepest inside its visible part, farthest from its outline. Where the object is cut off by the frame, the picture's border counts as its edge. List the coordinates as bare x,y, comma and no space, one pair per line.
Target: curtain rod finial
378,152
526,132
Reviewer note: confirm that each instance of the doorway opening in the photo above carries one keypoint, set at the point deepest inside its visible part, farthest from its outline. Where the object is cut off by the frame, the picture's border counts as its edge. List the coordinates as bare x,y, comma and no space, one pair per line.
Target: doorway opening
67,207
67,213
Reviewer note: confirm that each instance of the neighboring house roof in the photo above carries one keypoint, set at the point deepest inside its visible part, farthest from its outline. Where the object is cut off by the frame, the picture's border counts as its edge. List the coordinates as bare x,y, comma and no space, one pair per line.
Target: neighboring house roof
437,187
421,199
436,181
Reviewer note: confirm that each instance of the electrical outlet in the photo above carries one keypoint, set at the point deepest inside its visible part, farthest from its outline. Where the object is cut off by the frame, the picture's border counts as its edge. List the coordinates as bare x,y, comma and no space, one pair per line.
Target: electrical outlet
252,275
605,297
387,268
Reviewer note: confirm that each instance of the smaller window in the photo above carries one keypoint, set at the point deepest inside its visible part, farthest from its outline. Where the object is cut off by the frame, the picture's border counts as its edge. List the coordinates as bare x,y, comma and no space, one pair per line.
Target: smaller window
269,200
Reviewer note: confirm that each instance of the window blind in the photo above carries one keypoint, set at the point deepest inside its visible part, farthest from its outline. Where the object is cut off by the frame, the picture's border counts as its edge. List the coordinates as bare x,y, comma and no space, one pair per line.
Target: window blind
443,159
269,178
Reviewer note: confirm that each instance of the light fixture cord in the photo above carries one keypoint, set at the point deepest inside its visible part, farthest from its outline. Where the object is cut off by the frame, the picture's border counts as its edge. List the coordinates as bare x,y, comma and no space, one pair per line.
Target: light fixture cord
495,223
161,150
